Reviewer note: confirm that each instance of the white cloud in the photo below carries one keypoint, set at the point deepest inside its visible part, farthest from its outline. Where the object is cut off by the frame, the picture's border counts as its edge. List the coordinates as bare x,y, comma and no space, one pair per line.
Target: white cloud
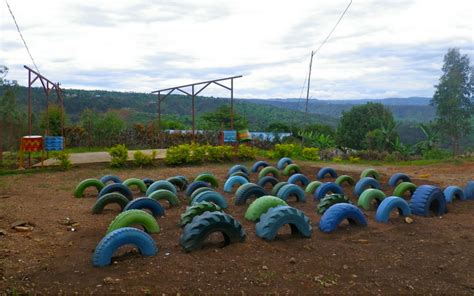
381,48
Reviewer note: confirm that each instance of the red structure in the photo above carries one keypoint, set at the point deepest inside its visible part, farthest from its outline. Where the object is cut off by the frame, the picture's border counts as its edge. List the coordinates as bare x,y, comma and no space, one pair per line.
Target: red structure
194,93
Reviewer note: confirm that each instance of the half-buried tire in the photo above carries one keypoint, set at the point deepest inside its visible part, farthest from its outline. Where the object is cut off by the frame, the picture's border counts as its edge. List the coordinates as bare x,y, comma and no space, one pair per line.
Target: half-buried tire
84,184
325,188
292,190
370,173
369,196
267,180
452,192
210,196
326,171
110,178
232,181
404,187
298,178
396,178
124,236
291,169
146,203
195,233
163,194
283,162
469,191
258,165
275,218
195,185
134,217
388,205
138,183
261,206
247,191
345,179
338,213
196,210
365,183
117,187
428,200
109,198
329,200
161,184
209,178
269,170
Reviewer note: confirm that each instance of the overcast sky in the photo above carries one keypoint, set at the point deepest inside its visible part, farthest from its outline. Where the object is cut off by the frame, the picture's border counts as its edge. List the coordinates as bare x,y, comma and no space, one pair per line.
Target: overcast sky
380,49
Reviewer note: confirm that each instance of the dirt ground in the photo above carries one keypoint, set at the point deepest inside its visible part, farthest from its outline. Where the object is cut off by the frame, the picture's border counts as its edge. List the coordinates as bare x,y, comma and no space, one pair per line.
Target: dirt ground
429,256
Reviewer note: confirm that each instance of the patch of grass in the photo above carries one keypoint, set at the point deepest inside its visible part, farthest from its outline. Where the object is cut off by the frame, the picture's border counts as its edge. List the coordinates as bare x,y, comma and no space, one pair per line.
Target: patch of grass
85,149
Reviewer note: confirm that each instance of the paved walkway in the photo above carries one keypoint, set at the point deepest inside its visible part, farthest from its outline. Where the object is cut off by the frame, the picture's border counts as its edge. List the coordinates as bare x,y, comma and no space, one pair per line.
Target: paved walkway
99,157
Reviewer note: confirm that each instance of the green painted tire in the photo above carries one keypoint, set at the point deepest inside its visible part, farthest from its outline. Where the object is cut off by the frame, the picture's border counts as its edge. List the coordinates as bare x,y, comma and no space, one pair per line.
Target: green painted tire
370,173
84,184
161,194
277,187
345,178
261,205
135,182
329,200
109,198
269,170
404,187
178,182
209,178
366,198
196,210
133,217
291,169
311,188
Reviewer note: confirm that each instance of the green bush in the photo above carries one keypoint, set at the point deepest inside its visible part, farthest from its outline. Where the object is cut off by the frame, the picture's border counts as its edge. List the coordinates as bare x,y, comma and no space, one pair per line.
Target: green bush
219,153
311,154
245,152
177,155
286,150
119,155
197,153
435,153
141,159
64,160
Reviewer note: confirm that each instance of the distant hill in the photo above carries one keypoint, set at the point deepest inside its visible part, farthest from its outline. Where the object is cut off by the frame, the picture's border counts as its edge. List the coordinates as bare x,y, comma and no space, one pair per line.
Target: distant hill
414,109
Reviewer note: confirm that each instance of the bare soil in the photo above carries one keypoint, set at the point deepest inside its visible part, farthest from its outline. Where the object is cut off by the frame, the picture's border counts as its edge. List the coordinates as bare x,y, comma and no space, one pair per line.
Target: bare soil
429,256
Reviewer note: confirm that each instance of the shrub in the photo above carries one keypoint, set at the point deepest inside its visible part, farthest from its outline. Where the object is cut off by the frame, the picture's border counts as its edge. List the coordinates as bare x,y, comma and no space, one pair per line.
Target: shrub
285,150
178,154
197,153
141,159
119,154
219,153
64,160
337,159
435,153
311,153
353,159
245,152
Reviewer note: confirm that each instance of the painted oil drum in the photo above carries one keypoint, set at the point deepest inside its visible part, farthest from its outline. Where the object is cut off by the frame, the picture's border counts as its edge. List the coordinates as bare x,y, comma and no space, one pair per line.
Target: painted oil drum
31,143
53,143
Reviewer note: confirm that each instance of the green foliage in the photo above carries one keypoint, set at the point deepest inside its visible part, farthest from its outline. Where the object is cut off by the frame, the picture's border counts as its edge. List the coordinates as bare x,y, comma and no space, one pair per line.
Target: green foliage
219,153
220,119
435,154
10,120
285,150
119,155
103,129
64,160
453,97
245,152
310,154
141,159
278,127
313,139
360,120
53,118
177,155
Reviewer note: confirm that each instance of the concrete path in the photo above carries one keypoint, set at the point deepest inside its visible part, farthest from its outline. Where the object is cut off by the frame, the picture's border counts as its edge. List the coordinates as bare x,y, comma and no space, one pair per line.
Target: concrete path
99,157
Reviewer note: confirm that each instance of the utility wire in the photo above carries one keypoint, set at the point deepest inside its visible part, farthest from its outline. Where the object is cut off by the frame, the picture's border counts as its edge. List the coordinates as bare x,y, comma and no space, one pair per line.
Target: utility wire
21,35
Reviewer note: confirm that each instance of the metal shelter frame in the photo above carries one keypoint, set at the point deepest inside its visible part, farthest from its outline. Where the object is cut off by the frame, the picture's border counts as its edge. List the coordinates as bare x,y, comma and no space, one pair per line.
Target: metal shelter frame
193,95
48,87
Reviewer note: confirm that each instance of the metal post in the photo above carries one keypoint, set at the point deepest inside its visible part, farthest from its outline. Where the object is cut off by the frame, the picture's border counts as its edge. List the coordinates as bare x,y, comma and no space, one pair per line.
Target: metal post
307,96
194,123
47,108
159,111
232,104
29,102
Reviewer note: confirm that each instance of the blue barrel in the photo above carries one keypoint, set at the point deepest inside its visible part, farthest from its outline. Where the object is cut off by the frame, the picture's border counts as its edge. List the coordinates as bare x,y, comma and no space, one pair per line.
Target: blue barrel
53,143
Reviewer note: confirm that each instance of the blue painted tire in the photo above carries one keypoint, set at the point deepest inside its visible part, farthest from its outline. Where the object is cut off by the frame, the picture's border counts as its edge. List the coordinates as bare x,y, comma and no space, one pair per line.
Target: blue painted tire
148,182
338,213
298,178
195,185
239,173
396,178
452,192
116,187
118,238
110,178
388,204
275,218
365,183
325,188
469,191
283,162
238,168
291,190
259,164
324,171
196,232
427,199
210,196
161,184
267,180
146,203
229,183
179,182
247,191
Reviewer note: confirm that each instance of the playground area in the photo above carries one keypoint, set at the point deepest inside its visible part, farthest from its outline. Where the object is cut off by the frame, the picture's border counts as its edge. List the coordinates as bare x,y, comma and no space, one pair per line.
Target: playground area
52,253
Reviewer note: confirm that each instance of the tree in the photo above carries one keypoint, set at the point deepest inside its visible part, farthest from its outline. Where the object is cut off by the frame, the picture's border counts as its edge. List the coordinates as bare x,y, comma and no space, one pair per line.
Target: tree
453,97
52,120
9,117
278,127
360,120
221,119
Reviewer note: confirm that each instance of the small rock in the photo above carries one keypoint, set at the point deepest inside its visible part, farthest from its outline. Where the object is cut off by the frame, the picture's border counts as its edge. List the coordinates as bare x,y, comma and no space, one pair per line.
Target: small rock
408,220
109,281
345,266
23,228
3,232
264,267
363,241
354,276
18,223
292,260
